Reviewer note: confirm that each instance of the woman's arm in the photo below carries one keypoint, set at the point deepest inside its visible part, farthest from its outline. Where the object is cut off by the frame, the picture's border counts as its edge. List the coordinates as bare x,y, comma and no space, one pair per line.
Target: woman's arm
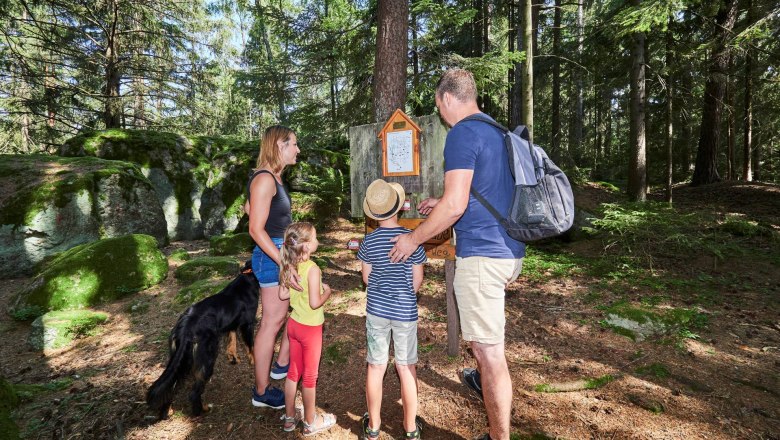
317,298
262,190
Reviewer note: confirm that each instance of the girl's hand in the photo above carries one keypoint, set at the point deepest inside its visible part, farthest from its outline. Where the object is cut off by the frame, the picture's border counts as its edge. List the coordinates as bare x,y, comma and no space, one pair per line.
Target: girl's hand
326,289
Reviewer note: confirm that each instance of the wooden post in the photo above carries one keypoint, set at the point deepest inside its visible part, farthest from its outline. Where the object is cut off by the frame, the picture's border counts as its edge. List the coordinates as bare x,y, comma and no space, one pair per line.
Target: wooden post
453,318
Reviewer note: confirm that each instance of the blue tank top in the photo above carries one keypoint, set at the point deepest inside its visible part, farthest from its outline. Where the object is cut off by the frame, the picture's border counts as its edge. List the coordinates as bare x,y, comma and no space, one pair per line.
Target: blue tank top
280,212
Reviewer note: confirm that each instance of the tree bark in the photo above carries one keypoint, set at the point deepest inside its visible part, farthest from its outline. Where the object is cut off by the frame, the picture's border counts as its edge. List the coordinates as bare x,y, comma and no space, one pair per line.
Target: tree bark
555,144
112,116
579,110
747,141
669,140
730,125
528,70
706,170
637,173
391,58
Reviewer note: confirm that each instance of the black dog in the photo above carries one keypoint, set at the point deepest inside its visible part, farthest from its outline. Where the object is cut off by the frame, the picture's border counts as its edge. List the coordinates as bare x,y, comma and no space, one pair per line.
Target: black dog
194,340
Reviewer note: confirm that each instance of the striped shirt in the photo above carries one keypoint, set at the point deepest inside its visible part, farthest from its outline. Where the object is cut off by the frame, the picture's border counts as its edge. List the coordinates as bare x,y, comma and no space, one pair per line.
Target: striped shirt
390,292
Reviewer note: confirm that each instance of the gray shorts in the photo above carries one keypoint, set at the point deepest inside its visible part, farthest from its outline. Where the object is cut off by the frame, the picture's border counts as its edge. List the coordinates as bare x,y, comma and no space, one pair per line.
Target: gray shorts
378,331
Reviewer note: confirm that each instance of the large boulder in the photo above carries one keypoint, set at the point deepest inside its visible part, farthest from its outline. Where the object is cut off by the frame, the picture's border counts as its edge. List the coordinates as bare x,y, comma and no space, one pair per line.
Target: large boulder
59,328
95,273
199,181
49,204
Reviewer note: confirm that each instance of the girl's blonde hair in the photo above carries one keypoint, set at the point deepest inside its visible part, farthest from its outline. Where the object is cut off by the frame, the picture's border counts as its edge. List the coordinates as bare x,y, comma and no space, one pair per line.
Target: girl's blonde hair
293,249
269,150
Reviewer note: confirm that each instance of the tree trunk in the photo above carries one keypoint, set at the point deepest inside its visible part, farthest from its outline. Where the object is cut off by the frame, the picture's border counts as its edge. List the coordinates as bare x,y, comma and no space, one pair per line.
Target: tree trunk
390,63
579,110
706,170
415,65
513,103
555,144
747,141
730,125
528,70
637,173
669,113
112,116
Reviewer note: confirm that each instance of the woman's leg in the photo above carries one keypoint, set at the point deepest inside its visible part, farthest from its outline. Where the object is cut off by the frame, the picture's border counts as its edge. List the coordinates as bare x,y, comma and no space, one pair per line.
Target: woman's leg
274,314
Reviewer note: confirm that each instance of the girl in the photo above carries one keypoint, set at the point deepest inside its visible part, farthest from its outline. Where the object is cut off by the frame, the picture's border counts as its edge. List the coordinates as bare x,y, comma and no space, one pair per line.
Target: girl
304,327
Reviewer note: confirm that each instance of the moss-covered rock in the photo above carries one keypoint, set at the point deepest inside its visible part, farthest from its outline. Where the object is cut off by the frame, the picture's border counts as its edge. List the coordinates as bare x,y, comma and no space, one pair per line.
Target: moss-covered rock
8,401
179,256
231,244
199,181
207,267
49,204
96,272
200,289
59,328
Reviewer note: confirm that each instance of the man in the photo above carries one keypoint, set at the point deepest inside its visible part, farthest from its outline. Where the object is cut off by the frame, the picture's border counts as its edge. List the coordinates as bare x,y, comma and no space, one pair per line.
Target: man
487,258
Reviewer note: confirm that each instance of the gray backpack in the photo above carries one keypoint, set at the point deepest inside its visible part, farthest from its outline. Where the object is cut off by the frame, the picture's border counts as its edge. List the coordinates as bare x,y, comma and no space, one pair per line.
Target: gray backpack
543,203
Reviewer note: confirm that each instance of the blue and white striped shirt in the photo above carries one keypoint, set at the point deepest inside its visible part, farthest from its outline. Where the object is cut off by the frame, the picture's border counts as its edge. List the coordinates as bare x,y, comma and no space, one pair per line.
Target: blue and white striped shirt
390,292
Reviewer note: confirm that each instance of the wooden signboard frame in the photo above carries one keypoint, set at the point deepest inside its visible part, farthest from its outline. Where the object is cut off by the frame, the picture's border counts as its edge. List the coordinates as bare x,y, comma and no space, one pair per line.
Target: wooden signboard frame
400,137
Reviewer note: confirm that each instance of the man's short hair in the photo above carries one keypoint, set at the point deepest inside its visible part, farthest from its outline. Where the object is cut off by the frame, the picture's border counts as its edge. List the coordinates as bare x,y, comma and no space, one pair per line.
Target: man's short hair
458,83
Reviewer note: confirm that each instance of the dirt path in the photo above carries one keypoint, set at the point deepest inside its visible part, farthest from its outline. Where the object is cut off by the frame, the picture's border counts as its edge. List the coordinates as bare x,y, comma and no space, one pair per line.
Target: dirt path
723,384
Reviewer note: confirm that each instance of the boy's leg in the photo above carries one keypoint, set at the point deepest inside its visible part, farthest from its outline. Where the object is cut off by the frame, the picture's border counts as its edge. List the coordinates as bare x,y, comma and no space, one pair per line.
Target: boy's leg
374,377
405,347
377,354
408,376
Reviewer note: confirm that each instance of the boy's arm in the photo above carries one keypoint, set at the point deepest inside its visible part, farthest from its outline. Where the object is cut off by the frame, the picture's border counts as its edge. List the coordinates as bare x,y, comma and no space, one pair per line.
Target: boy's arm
316,297
366,269
417,277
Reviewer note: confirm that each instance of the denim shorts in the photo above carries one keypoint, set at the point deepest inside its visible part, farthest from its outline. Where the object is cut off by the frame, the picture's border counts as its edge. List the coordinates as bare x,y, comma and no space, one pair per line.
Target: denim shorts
265,268
378,334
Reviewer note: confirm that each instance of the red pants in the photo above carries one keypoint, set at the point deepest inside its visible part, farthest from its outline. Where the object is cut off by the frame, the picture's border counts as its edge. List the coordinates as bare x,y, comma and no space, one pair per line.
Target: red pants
305,352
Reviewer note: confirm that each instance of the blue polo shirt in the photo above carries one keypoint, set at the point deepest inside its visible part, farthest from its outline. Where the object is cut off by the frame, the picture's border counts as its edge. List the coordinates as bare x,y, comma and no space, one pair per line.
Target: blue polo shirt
390,292
475,145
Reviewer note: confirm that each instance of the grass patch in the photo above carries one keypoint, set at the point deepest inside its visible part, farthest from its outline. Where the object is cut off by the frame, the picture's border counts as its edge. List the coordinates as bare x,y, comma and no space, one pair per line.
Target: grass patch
544,263
598,382
27,392
426,348
656,370
336,353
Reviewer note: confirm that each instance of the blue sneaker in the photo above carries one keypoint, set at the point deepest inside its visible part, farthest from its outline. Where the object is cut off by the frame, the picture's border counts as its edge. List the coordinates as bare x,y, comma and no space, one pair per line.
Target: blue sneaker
279,372
272,398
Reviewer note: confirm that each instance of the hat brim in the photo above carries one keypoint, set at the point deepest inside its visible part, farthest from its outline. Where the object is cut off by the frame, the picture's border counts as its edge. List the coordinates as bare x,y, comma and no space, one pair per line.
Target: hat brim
401,198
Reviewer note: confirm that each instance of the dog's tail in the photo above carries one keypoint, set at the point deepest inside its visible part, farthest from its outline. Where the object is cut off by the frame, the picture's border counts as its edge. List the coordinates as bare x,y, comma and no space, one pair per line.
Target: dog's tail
160,394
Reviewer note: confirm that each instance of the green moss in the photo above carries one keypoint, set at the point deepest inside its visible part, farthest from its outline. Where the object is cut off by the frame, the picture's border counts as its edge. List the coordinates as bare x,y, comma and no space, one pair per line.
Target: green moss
38,181
231,244
630,334
96,272
206,267
636,314
336,353
656,370
27,392
199,290
59,328
598,382
27,312
179,256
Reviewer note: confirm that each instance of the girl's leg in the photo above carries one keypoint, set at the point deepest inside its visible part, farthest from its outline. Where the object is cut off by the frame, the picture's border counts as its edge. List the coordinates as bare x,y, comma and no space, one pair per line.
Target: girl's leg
274,314
312,351
296,367
375,375
408,376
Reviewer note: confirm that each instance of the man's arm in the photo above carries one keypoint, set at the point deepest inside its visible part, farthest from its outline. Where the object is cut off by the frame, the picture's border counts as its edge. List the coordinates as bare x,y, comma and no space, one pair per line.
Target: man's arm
445,213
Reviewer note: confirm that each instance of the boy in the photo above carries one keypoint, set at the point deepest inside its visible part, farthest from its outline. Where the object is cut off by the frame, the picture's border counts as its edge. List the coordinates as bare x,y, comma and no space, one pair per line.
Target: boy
391,307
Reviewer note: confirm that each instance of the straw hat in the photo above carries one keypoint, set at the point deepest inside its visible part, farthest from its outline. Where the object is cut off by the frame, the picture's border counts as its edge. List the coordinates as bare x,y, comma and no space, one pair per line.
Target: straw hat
383,200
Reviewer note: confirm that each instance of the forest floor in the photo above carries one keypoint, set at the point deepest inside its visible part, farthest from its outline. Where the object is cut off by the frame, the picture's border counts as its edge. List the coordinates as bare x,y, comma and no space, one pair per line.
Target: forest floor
717,379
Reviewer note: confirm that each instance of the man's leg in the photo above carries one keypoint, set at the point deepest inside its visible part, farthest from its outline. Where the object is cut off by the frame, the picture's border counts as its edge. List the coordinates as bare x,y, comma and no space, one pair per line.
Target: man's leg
496,387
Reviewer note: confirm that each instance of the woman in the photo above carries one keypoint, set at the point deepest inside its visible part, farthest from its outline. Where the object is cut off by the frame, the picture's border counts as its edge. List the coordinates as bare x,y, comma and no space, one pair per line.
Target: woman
269,214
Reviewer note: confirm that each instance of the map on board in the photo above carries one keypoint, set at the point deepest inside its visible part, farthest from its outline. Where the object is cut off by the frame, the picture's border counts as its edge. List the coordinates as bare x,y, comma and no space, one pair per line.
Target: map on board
400,152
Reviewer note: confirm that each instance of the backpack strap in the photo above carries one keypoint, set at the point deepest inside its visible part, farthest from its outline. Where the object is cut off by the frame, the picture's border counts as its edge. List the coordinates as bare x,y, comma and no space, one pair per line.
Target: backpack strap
487,205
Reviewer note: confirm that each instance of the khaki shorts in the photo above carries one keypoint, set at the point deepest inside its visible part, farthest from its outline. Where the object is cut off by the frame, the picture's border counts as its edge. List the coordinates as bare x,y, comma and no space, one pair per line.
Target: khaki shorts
404,334
480,284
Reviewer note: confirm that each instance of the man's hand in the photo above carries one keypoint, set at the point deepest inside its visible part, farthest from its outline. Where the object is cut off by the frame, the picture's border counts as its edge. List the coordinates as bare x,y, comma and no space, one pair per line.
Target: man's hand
403,249
426,206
